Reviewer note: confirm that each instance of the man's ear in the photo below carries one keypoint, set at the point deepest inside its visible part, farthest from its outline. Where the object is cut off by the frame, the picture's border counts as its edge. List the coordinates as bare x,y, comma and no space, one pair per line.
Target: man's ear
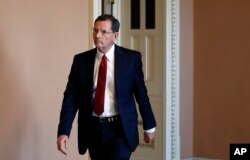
116,34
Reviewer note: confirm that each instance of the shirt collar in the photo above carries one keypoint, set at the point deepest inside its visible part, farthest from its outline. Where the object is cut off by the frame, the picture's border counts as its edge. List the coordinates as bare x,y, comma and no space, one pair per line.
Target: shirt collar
109,54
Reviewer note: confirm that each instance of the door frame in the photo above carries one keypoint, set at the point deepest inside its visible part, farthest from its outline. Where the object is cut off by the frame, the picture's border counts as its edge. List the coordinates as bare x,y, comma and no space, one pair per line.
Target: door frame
171,82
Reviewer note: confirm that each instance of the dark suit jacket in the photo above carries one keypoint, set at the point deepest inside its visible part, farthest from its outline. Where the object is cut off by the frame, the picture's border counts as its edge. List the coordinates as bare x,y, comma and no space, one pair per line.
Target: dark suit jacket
129,86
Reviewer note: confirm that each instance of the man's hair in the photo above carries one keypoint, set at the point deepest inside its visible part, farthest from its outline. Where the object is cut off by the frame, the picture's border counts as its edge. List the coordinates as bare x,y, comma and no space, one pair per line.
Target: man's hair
106,17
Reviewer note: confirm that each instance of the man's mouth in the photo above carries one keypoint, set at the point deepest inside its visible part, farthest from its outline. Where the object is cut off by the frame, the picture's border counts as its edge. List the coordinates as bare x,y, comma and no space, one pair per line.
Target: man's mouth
97,42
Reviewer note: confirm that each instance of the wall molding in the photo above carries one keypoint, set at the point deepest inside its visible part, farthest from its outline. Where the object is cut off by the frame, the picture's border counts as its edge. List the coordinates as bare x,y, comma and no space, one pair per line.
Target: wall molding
172,81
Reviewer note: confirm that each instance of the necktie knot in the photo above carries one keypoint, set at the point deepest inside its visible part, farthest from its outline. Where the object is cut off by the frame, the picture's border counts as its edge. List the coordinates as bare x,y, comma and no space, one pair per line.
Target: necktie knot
104,56
104,61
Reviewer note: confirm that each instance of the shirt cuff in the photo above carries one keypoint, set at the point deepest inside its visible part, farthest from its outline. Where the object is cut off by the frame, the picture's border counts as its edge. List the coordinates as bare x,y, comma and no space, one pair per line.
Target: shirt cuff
152,130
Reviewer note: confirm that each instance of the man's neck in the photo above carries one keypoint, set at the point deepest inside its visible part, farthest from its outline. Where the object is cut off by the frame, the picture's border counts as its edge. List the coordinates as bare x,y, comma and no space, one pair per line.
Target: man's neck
105,50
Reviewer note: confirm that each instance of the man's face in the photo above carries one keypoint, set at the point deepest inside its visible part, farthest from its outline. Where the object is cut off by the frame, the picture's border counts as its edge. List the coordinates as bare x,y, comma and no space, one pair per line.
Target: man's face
103,36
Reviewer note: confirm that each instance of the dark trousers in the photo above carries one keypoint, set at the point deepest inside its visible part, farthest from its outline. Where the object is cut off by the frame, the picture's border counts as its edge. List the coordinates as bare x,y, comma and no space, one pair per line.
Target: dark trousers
108,142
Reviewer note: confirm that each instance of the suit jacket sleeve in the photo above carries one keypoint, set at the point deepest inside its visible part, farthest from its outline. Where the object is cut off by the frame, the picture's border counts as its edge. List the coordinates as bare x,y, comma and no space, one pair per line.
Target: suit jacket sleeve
69,107
141,96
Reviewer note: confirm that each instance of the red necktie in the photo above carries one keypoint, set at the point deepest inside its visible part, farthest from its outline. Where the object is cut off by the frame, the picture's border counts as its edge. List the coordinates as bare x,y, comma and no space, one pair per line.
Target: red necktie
100,89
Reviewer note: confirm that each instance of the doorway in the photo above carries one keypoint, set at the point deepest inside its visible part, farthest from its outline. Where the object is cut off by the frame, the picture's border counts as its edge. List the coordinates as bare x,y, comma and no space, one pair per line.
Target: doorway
159,46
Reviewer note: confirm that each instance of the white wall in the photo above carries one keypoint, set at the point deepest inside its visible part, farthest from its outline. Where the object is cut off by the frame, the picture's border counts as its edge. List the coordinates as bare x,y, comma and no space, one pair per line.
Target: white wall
37,42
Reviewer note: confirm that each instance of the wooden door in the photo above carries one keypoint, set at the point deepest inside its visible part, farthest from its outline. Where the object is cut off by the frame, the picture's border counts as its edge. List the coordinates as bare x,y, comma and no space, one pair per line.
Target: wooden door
142,30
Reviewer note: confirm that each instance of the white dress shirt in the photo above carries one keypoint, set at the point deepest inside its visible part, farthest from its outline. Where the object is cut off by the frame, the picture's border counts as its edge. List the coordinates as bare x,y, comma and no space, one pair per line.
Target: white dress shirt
110,107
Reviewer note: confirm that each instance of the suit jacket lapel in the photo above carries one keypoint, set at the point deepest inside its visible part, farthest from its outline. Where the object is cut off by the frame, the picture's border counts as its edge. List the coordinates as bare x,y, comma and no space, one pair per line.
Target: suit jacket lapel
90,76
118,69
92,66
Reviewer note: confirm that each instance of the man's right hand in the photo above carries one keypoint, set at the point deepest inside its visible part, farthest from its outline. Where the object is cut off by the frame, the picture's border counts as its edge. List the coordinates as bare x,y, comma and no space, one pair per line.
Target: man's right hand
62,141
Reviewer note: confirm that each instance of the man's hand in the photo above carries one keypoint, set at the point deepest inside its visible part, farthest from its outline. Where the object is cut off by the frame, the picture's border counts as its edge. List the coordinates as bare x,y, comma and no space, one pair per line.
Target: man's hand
149,137
62,141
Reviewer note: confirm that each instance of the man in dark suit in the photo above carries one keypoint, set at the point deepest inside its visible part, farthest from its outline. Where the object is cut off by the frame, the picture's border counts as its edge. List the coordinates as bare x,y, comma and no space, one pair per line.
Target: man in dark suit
103,85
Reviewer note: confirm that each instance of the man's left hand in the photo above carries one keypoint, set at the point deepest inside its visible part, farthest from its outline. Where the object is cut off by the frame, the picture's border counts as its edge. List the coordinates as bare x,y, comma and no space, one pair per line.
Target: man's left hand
149,137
